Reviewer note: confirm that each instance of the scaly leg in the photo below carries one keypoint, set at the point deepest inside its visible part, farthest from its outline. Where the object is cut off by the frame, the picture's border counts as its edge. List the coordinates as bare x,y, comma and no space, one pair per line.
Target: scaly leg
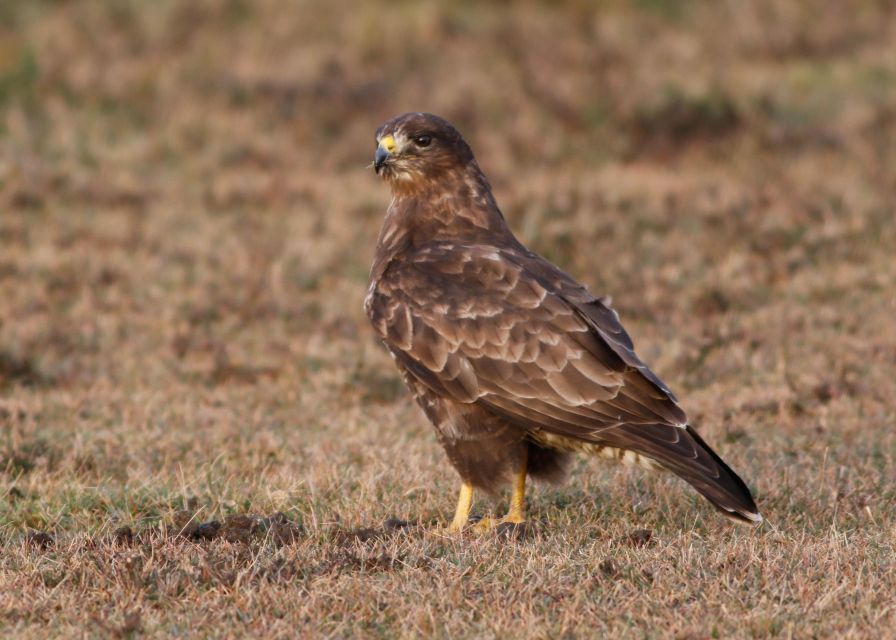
516,514
462,512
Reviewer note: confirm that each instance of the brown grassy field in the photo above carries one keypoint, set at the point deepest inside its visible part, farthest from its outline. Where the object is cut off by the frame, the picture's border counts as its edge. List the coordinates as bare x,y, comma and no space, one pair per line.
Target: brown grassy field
187,217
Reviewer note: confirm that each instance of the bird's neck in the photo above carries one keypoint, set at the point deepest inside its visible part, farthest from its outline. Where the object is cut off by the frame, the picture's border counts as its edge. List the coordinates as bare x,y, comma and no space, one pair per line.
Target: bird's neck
458,207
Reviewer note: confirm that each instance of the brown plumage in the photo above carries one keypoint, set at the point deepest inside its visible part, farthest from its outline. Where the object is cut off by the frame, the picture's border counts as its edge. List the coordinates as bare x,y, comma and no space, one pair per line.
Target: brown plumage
511,359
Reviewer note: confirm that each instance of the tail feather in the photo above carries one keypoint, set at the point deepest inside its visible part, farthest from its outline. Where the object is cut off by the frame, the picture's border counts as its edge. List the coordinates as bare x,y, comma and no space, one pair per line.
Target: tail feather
683,452
727,492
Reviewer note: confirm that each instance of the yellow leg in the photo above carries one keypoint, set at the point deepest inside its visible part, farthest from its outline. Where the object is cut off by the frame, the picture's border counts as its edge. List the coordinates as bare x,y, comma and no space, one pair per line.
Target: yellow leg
462,512
516,514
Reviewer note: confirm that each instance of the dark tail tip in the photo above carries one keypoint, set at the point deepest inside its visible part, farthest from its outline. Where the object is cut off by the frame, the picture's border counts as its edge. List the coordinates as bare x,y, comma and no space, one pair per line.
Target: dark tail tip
727,492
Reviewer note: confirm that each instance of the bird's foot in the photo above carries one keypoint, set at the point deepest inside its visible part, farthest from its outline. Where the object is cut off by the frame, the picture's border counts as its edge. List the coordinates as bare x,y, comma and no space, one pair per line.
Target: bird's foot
452,528
461,514
511,526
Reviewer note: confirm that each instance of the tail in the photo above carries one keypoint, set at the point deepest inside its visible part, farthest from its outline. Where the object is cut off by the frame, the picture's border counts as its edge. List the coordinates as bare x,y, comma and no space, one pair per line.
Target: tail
683,452
720,485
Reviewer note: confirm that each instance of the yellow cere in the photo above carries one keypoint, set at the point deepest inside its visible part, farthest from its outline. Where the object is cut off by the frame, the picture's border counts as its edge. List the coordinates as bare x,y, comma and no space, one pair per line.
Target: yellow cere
388,143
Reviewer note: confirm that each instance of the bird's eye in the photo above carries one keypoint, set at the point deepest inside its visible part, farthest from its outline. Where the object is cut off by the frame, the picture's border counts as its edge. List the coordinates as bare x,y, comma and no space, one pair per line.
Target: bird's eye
422,140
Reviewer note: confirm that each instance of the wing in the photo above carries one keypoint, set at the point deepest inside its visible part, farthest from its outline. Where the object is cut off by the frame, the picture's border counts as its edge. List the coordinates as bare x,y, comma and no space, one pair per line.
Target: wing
481,325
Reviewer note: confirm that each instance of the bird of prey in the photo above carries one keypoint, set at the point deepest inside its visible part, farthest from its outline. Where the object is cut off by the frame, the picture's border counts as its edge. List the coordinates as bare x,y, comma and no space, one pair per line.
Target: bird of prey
514,362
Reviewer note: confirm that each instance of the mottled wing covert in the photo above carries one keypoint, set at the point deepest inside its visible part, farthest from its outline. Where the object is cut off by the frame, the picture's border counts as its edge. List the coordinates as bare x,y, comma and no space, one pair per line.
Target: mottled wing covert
473,323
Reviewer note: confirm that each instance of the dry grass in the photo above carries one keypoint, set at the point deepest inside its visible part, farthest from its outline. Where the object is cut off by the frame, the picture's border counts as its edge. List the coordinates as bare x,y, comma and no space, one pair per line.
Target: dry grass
186,223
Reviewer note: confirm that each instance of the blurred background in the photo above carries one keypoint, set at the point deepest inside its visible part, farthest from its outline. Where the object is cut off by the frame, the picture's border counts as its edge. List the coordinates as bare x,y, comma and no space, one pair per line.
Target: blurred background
187,212
188,216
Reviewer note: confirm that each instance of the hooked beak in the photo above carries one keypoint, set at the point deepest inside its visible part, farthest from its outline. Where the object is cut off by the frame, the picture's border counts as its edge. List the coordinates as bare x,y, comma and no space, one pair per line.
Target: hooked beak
383,152
380,159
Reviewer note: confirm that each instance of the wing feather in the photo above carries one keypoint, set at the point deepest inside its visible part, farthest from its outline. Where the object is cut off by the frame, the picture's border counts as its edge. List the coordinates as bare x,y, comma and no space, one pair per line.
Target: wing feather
486,327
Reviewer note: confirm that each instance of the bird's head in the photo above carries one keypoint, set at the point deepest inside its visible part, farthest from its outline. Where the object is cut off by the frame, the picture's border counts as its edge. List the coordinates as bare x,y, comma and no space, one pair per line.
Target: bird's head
415,149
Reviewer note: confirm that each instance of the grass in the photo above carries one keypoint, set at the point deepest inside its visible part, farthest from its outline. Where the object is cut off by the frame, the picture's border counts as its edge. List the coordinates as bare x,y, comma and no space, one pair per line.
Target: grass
200,435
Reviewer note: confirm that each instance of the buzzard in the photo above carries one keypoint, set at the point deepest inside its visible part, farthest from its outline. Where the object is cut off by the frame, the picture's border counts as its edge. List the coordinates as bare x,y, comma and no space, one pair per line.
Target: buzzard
514,362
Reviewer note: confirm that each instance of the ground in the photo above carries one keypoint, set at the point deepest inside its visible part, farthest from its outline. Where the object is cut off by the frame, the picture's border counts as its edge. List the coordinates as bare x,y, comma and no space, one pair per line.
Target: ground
200,434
